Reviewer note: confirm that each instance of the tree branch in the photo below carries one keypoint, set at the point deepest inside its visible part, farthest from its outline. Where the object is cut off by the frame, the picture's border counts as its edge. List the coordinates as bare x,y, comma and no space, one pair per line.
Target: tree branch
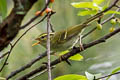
10,26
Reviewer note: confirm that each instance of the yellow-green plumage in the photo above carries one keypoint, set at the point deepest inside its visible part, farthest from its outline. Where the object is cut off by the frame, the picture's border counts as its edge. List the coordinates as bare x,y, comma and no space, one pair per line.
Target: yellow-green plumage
63,39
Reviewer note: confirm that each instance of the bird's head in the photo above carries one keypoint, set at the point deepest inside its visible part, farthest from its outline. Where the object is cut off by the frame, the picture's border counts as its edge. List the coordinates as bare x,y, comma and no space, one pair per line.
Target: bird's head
42,39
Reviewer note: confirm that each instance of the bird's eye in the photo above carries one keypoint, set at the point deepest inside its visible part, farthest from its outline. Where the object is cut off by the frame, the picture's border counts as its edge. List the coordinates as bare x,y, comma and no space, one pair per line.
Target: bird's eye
42,37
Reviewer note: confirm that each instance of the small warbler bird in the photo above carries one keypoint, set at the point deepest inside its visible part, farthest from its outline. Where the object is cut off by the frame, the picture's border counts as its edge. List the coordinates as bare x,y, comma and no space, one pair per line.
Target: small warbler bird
61,40
64,39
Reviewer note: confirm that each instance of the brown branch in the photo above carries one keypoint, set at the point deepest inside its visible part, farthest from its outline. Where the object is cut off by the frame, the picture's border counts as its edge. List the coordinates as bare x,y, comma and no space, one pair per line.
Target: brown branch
107,76
10,26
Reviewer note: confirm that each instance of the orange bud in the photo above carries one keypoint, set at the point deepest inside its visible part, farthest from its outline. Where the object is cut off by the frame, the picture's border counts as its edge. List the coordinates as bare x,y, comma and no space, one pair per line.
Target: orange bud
48,10
51,1
38,12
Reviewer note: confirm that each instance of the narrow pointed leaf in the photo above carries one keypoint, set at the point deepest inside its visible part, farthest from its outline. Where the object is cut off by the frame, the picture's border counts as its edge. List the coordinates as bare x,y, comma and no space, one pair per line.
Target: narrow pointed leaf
76,57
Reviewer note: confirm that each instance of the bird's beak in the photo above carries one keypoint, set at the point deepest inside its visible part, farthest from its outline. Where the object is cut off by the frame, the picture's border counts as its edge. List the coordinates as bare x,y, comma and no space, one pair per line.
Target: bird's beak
36,43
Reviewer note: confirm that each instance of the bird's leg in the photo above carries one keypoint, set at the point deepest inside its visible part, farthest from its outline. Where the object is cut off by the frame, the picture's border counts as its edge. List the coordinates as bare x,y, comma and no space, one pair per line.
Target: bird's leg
80,42
79,39
76,41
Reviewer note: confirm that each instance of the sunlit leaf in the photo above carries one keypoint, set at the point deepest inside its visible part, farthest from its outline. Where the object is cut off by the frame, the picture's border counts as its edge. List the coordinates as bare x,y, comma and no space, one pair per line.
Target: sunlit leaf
92,76
85,5
76,57
112,12
114,71
3,8
71,77
98,1
86,12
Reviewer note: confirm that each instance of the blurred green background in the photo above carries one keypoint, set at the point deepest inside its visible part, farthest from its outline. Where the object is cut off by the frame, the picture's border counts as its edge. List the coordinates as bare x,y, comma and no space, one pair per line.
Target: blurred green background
102,58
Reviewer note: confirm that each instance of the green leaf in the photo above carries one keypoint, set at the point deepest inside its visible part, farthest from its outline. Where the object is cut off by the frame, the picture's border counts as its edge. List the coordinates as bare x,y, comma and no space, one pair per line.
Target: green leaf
87,12
3,8
114,71
98,2
112,12
71,77
76,57
92,76
85,5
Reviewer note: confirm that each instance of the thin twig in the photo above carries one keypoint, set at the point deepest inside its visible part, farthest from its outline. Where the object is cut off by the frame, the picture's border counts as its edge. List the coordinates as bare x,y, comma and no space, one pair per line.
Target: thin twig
39,73
3,55
107,76
6,58
48,46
